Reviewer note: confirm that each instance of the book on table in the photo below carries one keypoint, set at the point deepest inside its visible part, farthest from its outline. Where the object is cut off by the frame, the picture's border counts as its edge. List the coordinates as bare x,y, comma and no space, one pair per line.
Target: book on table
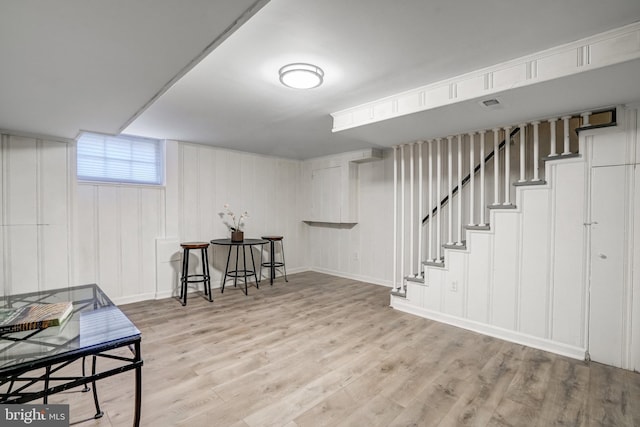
34,316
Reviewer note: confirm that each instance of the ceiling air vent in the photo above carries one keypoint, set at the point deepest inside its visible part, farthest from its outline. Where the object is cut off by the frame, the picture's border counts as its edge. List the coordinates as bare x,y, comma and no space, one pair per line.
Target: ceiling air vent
490,102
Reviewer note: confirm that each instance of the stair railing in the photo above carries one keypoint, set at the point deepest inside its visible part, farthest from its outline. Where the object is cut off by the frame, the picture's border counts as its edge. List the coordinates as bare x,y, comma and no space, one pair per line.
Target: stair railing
476,169
438,210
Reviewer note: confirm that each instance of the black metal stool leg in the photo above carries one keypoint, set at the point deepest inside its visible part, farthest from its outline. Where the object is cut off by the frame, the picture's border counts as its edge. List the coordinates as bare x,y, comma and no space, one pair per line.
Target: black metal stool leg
284,265
185,277
261,250
182,273
272,258
205,272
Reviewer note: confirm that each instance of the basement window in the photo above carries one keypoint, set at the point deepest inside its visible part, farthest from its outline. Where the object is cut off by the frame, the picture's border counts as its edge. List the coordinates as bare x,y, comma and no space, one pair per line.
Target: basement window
120,159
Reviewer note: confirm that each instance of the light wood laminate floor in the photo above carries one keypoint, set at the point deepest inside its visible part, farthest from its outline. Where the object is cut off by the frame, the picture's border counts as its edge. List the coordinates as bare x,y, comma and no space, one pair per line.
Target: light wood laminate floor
328,351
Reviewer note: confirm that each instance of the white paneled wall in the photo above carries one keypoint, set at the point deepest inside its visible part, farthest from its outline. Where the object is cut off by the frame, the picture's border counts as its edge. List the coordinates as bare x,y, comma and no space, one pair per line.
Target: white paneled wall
364,250
36,198
129,235
117,227
207,178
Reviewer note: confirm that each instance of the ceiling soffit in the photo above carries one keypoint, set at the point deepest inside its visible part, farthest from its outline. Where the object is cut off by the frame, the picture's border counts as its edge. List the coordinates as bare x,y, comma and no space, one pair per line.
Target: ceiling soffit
598,51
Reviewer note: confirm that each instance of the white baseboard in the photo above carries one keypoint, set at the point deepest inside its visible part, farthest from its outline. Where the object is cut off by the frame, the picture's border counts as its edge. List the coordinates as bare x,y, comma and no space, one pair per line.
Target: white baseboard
490,330
358,277
215,284
133,298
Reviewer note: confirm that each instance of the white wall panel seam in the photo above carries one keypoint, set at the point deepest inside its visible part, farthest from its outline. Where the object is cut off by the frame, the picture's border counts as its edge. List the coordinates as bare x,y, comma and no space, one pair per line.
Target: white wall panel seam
40,273
549,274
141,279
96,231
491,269
4,140
70,199
118,236
552,258
627,290
521,261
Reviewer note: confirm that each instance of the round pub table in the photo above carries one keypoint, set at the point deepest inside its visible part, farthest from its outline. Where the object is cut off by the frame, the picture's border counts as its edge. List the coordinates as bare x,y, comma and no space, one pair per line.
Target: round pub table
240,271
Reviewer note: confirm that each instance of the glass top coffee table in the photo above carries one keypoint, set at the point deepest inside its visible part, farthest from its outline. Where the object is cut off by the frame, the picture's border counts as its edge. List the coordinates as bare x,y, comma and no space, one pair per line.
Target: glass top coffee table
31,361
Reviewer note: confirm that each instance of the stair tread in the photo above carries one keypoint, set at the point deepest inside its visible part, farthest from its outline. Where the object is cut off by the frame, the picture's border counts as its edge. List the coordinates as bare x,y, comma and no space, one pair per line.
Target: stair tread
434,263
502,206
561,157
478,227
528,183
456,246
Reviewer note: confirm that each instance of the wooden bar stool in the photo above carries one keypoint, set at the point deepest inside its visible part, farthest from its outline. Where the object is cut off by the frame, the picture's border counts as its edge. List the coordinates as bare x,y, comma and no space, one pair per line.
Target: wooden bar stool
272,263
187,278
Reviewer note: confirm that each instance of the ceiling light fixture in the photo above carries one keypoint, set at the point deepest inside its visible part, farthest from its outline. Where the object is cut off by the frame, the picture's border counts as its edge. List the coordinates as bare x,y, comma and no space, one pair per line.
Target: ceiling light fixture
301,76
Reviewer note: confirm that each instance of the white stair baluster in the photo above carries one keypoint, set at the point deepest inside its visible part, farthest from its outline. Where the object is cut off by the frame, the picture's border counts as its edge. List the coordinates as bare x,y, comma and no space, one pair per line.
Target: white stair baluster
482,172
395,218
496,166
438,199
585,118
472,167
536,151
430,203
567,141
552,138
450,186
420,208
412,209
402,213
459,224
522,133
507,165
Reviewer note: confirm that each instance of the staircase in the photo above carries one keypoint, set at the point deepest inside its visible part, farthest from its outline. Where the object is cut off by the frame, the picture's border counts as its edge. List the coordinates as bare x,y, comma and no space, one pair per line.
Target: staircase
483,230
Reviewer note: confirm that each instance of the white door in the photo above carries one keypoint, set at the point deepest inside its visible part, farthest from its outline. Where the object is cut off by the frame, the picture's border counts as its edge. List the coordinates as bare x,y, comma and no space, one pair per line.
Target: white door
608,234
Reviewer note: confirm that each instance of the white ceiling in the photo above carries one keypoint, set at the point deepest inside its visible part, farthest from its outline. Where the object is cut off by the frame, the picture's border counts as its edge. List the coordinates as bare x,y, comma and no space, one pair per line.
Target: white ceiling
73,65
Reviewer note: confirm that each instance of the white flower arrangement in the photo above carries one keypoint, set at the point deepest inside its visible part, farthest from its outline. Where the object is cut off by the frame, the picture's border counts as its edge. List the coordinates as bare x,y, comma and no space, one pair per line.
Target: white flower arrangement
236,222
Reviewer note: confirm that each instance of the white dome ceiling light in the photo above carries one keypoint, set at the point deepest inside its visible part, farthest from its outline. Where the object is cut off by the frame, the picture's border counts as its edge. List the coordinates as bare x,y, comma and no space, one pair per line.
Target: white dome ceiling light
301,76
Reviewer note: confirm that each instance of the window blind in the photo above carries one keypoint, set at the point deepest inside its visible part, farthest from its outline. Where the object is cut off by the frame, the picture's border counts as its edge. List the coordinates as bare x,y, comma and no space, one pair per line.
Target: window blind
121,158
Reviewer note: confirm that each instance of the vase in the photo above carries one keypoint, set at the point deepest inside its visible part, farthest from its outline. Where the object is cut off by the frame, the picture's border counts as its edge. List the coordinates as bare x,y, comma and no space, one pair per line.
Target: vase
237,236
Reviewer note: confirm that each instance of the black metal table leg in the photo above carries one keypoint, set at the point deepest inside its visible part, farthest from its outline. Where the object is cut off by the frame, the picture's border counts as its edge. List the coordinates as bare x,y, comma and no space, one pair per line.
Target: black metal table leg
235,276
138,399
244,263
99,413
253,265
226,270
86,386
47,374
